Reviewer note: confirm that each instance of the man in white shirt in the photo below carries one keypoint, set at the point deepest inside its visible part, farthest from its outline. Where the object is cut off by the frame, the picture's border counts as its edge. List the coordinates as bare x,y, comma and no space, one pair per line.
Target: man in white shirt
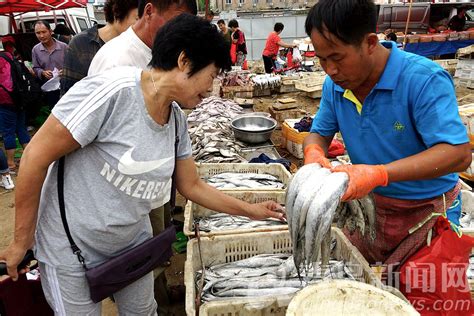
133,47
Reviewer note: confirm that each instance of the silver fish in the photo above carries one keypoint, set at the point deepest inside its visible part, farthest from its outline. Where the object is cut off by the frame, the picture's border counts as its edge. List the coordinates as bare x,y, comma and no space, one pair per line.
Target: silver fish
321,213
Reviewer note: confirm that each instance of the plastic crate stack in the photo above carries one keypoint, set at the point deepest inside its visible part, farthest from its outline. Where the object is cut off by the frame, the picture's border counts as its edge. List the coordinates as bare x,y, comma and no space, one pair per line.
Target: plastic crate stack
464,75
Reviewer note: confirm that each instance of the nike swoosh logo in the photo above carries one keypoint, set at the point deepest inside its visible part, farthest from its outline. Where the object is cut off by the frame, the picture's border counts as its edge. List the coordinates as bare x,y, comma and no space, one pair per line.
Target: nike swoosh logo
127,165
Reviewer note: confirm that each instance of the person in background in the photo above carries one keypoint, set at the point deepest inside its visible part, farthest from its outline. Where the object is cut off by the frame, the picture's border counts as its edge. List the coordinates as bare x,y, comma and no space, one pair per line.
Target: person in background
272,46
119,15
137,115
458,22
225,32
391,37
133,47
6,182
62,33
210,16
47,55
398,115
12,117
238,38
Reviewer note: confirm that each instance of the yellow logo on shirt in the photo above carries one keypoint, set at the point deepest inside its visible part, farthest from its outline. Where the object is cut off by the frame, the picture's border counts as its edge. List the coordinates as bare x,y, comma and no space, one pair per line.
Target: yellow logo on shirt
398,126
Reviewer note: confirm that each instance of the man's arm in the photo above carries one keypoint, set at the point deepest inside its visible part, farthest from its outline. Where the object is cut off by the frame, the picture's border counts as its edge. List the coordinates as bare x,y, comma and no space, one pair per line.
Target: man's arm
36,65
434,162
323,141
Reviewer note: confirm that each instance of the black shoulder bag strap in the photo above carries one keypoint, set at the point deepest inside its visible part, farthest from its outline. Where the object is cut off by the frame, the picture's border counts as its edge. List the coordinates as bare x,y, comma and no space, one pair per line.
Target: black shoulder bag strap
173,177
62,207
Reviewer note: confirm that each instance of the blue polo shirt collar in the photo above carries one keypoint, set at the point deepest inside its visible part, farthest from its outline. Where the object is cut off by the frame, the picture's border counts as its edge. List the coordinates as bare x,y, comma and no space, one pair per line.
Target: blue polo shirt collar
392,71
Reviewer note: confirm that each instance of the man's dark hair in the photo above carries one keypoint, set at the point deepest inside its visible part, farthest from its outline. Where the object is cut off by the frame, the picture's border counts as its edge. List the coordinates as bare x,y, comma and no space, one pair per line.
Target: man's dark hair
233,23
117,10
210,13
163,5
278,27
221,21
347,20
196,37
392,37
62,29
44,23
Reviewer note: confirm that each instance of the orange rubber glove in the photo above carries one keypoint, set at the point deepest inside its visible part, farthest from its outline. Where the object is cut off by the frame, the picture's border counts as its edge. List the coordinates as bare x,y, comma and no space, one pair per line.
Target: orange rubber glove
313,153
362,179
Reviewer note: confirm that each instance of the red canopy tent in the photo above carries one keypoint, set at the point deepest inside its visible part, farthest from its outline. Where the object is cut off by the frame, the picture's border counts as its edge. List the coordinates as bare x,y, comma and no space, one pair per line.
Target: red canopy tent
12,7
21,6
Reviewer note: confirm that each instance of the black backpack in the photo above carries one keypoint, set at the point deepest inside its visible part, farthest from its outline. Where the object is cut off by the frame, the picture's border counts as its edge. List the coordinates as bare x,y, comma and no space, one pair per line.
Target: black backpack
26,88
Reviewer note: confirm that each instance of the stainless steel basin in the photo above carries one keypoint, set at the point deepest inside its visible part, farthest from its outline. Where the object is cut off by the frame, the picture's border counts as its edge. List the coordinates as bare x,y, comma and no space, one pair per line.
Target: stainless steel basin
253,128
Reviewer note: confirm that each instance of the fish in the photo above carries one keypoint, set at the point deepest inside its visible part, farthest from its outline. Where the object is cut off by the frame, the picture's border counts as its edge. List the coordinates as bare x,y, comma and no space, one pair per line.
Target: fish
260,276
221,221
303,174
228,180
321,213
368,207
212,138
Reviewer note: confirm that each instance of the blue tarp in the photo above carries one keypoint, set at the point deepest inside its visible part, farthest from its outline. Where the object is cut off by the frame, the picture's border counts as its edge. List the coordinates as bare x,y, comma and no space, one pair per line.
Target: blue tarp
436,48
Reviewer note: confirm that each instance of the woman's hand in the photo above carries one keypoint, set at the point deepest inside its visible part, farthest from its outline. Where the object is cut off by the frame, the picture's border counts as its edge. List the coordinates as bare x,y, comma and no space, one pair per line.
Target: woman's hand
265,210
13,256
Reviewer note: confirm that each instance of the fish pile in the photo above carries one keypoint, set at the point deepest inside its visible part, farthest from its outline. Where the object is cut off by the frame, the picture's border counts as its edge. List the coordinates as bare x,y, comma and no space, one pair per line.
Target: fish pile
214,142
266,81
262,275
222,221
232,180
236,78
312,198
214,108
357,214
212,138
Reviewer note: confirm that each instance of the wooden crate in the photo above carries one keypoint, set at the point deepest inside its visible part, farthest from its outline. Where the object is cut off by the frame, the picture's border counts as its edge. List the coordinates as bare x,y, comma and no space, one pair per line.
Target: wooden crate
281,116
230,92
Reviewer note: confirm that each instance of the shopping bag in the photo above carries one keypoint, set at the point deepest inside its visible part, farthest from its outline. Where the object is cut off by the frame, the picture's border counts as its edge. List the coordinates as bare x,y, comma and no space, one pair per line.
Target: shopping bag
434,279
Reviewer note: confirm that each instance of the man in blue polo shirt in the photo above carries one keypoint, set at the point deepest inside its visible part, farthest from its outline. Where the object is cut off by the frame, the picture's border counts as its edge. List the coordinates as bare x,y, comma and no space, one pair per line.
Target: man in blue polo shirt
398,116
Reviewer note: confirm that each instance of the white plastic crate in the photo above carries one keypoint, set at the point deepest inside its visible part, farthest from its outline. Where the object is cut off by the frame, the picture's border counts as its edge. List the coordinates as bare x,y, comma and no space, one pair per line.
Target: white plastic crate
466,64
230,248
194,210
463,82
207,170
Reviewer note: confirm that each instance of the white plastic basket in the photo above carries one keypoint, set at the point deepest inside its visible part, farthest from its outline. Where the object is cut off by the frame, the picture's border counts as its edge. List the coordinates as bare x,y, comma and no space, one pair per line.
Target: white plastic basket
193,210
230,248
207,170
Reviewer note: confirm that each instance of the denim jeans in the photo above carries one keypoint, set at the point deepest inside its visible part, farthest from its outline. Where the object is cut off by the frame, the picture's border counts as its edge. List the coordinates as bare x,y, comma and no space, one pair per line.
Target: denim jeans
12,124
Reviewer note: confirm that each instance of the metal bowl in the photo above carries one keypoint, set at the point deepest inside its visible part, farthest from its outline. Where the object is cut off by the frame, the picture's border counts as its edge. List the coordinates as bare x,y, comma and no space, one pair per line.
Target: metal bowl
253,129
